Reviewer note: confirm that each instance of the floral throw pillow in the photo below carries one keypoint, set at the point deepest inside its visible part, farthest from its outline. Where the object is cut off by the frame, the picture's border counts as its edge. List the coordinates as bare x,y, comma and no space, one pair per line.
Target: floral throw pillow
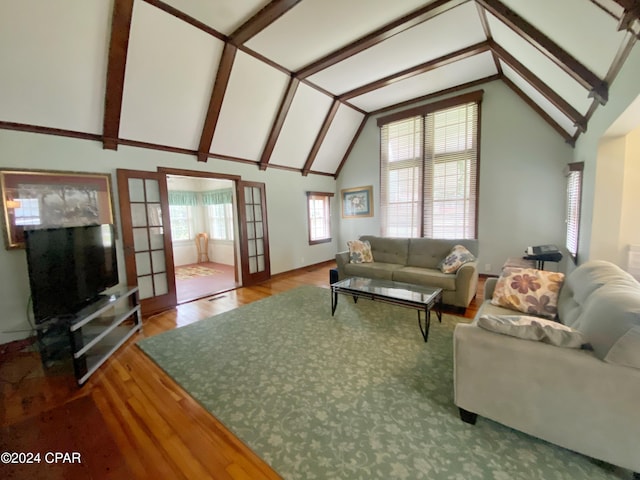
529,290
359,251
457,257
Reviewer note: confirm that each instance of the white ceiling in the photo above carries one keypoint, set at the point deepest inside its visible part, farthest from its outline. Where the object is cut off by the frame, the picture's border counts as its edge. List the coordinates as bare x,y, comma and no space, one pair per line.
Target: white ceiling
294,86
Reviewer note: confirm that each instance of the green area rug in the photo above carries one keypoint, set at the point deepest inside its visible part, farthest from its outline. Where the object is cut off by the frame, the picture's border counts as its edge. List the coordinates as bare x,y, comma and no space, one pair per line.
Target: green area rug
355,396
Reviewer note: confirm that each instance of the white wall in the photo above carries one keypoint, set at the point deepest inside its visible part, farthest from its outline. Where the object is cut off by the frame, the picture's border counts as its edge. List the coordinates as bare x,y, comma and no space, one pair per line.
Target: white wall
522,187
615,218
285,190
598,199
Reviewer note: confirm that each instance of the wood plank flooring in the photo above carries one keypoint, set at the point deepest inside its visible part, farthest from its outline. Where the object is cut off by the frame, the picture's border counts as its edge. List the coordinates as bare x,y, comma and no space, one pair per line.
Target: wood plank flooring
161,431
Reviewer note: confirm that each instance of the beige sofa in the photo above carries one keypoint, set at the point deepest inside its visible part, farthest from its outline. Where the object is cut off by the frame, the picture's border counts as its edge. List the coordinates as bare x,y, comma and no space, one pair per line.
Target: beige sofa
415,260
584,400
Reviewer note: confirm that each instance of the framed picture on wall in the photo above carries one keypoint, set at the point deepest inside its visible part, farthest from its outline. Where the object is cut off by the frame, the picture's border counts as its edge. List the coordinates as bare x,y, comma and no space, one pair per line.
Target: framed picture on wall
49,199
357,202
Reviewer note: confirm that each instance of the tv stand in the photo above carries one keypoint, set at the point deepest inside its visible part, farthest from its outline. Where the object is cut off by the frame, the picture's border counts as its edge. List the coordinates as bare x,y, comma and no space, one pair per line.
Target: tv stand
93,334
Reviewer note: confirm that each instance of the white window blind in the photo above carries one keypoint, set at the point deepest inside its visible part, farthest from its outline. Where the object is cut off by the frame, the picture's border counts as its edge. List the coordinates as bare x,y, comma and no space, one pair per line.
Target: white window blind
574,199
401,177
429,173
450,174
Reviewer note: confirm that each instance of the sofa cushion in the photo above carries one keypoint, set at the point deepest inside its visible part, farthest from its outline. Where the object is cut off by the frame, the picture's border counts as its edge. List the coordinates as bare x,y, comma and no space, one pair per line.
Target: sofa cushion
371,270
429,252
583,282
359,251
425,276
458,256
388,250
533,328
611,323
529,290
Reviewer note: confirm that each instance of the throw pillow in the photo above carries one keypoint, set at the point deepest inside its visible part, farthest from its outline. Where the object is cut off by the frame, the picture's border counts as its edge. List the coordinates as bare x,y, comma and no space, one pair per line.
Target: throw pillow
529,290
533,328
457,257
360,252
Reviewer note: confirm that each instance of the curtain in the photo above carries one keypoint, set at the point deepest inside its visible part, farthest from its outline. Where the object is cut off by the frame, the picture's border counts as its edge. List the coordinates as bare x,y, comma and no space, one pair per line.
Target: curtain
217,197
183,198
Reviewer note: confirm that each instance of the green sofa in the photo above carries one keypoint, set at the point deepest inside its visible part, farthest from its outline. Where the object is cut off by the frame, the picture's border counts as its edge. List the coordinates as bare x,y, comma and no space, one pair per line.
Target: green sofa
416,260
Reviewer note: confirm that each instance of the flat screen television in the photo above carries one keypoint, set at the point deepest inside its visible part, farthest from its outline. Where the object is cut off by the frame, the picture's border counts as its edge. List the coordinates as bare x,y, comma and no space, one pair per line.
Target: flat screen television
69,268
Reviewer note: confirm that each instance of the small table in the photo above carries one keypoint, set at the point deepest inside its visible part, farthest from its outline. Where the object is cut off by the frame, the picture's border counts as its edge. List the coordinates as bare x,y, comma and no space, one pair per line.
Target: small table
409,295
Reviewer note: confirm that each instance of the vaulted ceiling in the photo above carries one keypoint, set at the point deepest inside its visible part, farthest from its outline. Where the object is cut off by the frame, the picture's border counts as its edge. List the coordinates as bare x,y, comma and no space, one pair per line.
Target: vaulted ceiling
289,83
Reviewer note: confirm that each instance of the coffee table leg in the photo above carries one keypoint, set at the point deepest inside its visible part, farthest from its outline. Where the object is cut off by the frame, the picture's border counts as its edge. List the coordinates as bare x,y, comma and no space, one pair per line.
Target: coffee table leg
334,301
427,322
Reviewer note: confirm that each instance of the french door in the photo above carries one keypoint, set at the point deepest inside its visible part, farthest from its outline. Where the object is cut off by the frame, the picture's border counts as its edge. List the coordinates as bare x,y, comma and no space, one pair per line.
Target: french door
146,234
254,235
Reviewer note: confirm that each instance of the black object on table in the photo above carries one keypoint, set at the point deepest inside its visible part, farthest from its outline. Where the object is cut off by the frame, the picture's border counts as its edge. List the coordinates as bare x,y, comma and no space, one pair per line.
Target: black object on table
543,253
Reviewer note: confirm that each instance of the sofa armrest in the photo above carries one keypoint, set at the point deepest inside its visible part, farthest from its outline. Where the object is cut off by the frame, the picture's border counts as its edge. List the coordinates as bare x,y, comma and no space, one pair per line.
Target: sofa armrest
562,395
489,287
342,258
466,283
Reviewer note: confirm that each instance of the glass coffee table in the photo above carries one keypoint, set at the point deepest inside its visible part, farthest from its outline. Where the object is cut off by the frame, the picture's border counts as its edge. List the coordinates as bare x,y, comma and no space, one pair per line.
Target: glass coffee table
420,297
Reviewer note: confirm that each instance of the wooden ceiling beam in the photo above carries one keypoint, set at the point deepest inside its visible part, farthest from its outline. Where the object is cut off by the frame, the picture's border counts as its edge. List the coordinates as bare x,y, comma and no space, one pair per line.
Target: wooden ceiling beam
597,87
321,136
547,92
215,103
398,26
261,20
278,122
418,69
118,47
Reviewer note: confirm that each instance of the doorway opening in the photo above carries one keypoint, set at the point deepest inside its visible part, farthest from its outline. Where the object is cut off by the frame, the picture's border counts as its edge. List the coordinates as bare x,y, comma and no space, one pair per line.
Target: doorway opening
204,231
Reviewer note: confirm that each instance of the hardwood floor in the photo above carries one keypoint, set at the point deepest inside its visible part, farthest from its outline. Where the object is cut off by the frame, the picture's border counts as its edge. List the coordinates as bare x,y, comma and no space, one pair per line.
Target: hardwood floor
161,431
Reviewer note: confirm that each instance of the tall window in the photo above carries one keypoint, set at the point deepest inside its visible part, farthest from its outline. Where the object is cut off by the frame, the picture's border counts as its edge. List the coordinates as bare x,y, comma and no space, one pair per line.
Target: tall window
221,221
574,199
319,217
181,222
429,165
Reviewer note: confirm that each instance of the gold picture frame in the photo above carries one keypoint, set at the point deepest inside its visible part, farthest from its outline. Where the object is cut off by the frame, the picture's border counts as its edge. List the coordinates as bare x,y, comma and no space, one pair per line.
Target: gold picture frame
50,199
357,202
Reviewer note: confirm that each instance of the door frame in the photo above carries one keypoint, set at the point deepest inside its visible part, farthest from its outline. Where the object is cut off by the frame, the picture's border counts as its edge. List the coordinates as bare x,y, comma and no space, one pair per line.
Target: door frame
240,213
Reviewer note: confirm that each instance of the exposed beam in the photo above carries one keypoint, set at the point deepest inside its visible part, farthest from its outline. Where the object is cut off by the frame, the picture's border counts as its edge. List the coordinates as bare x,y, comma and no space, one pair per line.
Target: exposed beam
118,46
545,116
261,20
279,122
597,87
417,70
547,92
630,16
217,96
398,26
482,15
320,138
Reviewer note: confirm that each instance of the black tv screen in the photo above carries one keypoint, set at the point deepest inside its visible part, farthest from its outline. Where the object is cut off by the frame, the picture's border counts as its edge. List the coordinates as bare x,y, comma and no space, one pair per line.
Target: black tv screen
69,267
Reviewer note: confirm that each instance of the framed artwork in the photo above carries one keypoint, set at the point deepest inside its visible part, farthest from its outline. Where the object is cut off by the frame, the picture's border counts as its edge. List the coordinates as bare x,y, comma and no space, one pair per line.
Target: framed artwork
357,202
49,199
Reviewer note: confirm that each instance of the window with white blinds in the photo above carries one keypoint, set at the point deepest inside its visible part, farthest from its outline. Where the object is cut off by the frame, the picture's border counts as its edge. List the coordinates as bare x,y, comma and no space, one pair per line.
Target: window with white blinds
429,171
574,200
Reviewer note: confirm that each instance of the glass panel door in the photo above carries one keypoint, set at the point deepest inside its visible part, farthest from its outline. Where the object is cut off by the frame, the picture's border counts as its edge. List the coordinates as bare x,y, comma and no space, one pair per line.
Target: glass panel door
147,243
255,239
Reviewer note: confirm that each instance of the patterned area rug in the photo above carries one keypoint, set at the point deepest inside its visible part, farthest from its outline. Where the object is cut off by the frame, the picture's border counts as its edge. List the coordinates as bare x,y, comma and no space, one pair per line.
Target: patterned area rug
193,271
355,396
